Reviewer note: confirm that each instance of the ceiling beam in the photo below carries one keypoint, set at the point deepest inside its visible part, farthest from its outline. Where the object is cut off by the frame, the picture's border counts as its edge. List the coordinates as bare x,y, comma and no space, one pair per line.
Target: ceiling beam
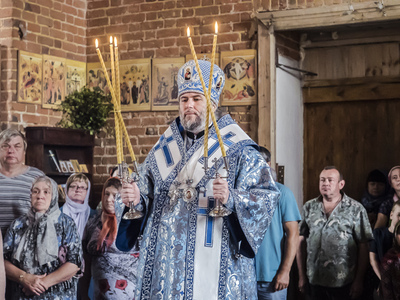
333,15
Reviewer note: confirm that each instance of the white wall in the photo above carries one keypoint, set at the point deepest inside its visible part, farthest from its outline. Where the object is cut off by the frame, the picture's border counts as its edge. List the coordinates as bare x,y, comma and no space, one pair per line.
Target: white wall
289,127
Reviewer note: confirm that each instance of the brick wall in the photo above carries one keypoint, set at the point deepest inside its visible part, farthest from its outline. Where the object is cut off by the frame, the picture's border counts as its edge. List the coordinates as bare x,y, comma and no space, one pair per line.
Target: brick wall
154,29
144,28
53,27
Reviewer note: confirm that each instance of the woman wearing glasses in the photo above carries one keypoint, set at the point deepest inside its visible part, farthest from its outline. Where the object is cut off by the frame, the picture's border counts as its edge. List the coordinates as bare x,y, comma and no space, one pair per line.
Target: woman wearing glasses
77,201
42,249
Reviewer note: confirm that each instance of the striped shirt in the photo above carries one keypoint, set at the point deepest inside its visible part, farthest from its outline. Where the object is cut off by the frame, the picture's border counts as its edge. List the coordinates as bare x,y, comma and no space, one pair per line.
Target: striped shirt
15,200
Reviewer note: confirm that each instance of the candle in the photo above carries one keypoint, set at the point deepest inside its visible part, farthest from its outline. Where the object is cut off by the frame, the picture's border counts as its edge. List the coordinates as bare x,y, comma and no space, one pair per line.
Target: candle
209,91
113,66
221,144
118,90
117,128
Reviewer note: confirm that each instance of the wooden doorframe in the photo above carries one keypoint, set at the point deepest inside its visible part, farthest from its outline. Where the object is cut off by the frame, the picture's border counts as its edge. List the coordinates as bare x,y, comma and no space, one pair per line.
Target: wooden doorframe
267,89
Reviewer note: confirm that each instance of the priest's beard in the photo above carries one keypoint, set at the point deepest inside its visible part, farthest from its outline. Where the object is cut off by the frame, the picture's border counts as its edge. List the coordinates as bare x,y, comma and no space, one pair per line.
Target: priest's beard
193,125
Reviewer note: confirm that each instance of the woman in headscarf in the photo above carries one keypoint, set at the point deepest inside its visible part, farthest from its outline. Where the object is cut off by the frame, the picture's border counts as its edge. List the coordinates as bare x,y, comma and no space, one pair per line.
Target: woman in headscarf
390,269
386,206
377,189
76,205
42,249
114,272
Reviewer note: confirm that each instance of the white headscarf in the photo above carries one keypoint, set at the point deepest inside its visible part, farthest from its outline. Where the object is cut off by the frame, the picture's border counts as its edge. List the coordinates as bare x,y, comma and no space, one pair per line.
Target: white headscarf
78,212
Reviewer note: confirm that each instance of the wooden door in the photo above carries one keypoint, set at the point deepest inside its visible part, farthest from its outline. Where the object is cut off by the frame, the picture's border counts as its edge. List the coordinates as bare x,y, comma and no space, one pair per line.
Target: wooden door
355,136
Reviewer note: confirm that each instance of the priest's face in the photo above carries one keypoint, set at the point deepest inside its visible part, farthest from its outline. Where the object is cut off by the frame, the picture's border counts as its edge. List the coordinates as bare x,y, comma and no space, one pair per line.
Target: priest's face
192,111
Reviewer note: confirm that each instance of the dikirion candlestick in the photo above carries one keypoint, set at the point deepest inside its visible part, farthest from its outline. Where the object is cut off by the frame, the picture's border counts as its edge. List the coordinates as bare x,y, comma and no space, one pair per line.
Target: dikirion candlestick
120,129
221,144
209,94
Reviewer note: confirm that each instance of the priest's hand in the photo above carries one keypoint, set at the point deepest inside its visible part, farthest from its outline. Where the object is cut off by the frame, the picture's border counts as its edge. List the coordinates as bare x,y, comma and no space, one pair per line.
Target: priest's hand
221,190
130,193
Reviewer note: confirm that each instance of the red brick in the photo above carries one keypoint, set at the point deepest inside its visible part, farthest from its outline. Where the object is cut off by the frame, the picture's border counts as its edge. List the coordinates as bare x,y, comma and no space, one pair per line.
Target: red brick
169,4
79,40
242,46
27,16
57,52
46,41
187,3
206,11
69,28
79,4
45,3
116,3
57,15
167,14
44,30
57,25
167,52
32,27
20,107
152,25
148,53
170,23
69,19
206,2
169,32
188,22
98,4
131,36
80,22
57,6
133,45
6,12
97,13
218,2
151,16
150,35
115,11
248,6
32,119
152,44
45,11
171,42
151,6
147,140
71,47
57,44
32,8
228,37
133,18
116,28
226,8
95,31
187,12
115,20
45,21
128,2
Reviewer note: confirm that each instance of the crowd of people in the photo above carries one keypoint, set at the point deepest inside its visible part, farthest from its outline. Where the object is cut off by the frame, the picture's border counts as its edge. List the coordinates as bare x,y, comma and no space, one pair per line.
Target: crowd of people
344,249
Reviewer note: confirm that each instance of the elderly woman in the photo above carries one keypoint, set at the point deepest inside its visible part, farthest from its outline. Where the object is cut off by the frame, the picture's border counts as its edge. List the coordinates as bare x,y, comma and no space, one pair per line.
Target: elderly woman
15,177
76,205
42,250
114,272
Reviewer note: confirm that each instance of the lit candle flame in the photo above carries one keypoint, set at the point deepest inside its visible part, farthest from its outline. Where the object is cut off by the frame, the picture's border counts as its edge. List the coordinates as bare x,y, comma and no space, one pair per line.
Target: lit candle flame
115,42
111,40
188,32
216,27
97,43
